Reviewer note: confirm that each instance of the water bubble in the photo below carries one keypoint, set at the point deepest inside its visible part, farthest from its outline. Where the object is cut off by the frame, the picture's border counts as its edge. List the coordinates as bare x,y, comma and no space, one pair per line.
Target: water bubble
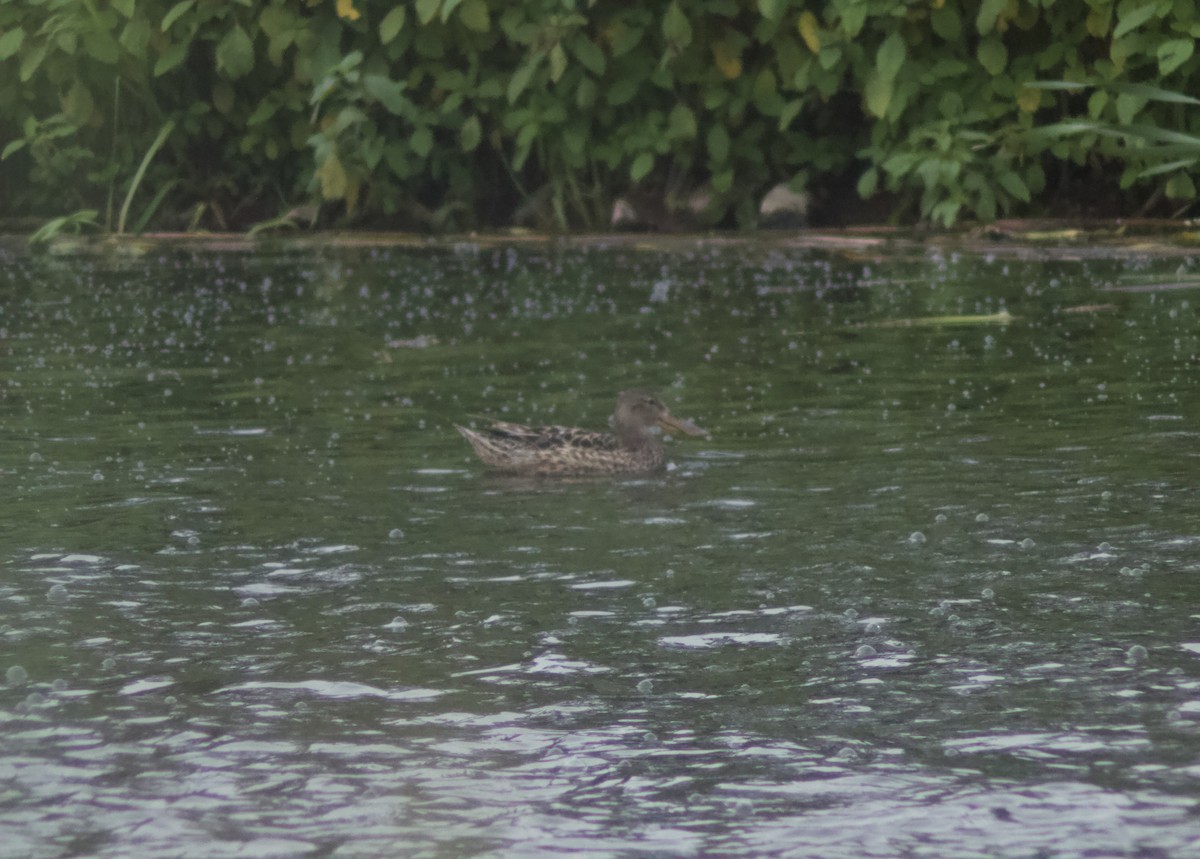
1137,653
57,593
916,538
395,534
35,457
850,614
987,593
16,676
873,629
109,664
865,651
1104,547
397,623
59,685
249,602
982,517
97,476
645,686
649,602
1027,543
35,699
940,518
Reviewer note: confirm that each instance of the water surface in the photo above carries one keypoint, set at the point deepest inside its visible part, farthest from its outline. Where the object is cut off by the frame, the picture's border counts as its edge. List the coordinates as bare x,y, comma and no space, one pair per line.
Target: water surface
930,589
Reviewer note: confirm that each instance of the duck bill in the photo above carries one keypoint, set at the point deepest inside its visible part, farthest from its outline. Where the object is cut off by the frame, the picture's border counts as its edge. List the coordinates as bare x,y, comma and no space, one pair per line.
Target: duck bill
671,423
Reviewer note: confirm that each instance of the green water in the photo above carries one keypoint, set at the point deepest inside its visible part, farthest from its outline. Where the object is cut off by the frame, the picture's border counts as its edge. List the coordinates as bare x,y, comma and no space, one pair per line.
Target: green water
932,588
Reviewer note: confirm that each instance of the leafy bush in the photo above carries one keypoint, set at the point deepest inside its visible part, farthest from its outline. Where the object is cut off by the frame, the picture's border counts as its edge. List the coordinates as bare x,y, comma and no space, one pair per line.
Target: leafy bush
451,114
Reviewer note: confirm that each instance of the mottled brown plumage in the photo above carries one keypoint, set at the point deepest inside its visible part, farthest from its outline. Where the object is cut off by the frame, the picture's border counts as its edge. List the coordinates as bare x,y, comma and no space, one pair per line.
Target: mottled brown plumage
633,446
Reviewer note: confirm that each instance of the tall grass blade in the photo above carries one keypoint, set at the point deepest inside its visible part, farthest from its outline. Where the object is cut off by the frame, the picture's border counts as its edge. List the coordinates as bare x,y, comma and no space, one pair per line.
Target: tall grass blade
163,134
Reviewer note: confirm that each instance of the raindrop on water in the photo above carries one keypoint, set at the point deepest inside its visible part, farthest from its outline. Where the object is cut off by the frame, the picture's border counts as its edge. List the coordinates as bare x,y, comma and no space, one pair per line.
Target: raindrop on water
57,593
395,534
983,517
865,651
916,538
1137,653
16,676
1027,543
645,686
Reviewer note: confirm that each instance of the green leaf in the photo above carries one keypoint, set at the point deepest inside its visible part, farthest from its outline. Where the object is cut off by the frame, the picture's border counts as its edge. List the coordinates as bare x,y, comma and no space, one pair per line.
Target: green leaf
332,176
11,41
265,110
891,56
878,94
1173,54
170,58
389,93
992,55
772,10
675,26
427,9
78,105
587,52
470,134
558,62
1013,184
642,165
522,76
681,124
718,144
868,183
946,22
722,181
30,62
175,12
1128,106
853,16
789,113
1130,16
766,93
622,91
989,11
235,53
1181,187
135,37
421,141
13,146
392,24
125,7
475,17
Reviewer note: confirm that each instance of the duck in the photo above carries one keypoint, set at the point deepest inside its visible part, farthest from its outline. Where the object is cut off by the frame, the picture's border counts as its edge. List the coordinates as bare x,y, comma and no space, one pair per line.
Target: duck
634,446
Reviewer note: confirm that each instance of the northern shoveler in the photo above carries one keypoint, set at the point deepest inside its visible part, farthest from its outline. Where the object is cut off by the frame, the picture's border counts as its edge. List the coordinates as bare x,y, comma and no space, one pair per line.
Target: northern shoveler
633,445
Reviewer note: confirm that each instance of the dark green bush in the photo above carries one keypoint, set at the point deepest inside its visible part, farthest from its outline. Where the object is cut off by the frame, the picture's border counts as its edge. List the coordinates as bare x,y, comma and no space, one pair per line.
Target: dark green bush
452,114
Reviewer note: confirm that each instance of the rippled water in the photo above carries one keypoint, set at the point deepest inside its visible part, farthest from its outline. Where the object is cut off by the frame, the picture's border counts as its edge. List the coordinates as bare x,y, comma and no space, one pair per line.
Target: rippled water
930,590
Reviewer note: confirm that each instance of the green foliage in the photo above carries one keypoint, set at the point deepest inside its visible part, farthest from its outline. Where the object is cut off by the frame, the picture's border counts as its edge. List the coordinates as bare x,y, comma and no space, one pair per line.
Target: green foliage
453,114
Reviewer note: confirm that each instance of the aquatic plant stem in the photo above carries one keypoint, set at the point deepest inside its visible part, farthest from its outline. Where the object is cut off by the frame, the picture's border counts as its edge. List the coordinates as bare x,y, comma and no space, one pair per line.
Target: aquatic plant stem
163,134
